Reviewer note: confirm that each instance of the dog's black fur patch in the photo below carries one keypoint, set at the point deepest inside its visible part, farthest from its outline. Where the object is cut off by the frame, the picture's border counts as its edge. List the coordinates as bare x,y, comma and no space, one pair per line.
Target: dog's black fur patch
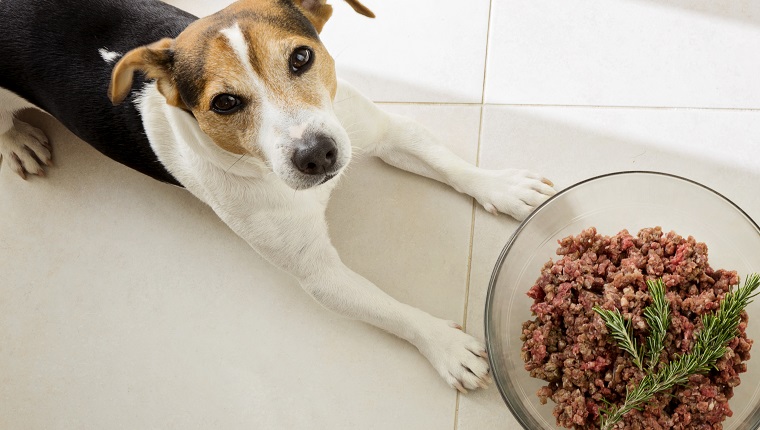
49,56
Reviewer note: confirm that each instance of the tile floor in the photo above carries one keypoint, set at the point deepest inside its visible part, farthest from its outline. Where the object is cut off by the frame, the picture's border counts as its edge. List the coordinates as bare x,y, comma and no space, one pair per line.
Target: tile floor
126,304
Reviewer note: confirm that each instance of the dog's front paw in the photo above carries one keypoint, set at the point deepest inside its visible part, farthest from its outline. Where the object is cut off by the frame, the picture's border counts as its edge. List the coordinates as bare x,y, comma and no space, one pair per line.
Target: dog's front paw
25,149
513,192
458,357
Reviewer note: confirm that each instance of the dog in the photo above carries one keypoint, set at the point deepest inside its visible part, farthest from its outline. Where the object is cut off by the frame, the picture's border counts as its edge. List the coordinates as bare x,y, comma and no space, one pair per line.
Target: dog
244,110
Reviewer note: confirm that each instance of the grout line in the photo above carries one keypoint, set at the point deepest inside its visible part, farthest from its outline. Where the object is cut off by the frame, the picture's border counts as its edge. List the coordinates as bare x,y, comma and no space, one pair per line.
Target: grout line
469,261
474,203
472,227
431,103
576,106
485,61
626,107
469,264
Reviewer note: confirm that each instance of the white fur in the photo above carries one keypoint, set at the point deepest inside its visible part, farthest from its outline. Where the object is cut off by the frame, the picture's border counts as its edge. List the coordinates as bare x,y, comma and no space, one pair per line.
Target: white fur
296,131
290,230
19,140
109,57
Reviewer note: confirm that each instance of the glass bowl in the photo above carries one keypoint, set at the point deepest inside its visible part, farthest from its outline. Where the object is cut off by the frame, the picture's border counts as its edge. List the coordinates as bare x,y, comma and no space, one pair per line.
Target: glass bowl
626,200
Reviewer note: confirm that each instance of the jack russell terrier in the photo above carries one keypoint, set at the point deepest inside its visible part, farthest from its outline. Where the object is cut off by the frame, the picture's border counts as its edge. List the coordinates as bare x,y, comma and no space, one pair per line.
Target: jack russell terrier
241,108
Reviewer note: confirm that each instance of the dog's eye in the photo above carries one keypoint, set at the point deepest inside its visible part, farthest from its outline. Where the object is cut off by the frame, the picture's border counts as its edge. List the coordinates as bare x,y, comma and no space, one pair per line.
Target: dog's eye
301,59
226,104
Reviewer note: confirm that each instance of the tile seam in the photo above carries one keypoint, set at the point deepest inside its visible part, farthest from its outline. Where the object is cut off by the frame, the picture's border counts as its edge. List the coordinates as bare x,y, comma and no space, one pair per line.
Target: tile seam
469,260
467,104
472,218
733,109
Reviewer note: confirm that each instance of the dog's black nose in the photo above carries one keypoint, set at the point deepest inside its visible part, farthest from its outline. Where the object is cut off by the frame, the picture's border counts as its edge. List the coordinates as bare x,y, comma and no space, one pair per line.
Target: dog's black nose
315,155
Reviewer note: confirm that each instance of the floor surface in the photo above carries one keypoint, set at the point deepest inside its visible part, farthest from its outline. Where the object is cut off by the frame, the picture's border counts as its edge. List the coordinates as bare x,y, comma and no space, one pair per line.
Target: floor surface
127,304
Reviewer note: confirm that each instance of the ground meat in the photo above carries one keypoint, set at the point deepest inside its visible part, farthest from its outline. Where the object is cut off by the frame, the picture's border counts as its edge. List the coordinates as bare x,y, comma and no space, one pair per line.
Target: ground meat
568,345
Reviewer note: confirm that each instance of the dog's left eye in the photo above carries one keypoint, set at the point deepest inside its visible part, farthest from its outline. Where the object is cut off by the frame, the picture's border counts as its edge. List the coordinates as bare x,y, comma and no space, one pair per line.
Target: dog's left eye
226,103
301,59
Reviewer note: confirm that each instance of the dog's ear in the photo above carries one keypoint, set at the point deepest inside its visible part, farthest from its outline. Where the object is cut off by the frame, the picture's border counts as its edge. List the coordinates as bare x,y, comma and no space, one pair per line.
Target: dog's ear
318,11
155,61
360,8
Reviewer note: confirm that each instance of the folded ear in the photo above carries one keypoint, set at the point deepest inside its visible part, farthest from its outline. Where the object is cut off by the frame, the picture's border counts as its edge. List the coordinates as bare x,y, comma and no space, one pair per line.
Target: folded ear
318,11
360,8
155,61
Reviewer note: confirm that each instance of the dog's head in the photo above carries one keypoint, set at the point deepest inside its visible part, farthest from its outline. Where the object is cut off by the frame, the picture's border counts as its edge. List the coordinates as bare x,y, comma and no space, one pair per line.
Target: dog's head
258,81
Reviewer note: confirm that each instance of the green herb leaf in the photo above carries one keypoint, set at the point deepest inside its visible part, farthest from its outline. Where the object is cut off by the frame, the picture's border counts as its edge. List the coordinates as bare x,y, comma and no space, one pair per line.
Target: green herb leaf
622,331
657,316
710,345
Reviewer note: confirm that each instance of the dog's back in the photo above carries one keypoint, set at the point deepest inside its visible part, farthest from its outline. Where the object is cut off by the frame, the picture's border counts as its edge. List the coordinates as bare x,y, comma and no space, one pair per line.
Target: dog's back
43,43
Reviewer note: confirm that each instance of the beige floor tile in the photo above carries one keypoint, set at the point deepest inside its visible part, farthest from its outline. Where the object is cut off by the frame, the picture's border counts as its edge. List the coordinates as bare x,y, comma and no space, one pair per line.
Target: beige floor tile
406,232
696,53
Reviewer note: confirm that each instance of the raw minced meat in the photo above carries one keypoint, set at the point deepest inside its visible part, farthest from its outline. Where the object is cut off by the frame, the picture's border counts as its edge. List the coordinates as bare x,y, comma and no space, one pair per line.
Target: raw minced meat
568,345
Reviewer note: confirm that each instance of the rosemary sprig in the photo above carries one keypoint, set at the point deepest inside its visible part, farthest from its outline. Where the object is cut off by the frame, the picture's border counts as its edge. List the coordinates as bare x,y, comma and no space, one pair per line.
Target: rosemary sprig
657,316
622,331
709,347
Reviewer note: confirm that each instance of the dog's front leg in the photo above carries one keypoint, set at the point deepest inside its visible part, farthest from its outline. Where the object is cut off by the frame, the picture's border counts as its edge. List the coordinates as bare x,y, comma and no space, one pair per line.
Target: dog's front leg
293,236
408,145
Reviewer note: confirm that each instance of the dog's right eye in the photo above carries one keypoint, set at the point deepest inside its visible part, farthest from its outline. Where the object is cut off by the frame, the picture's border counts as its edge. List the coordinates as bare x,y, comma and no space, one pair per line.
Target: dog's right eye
226,104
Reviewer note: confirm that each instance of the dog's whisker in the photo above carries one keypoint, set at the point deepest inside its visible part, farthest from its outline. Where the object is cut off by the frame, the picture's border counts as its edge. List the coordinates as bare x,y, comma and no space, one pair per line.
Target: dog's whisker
233,164
342,100
335,57
353,126
356,150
